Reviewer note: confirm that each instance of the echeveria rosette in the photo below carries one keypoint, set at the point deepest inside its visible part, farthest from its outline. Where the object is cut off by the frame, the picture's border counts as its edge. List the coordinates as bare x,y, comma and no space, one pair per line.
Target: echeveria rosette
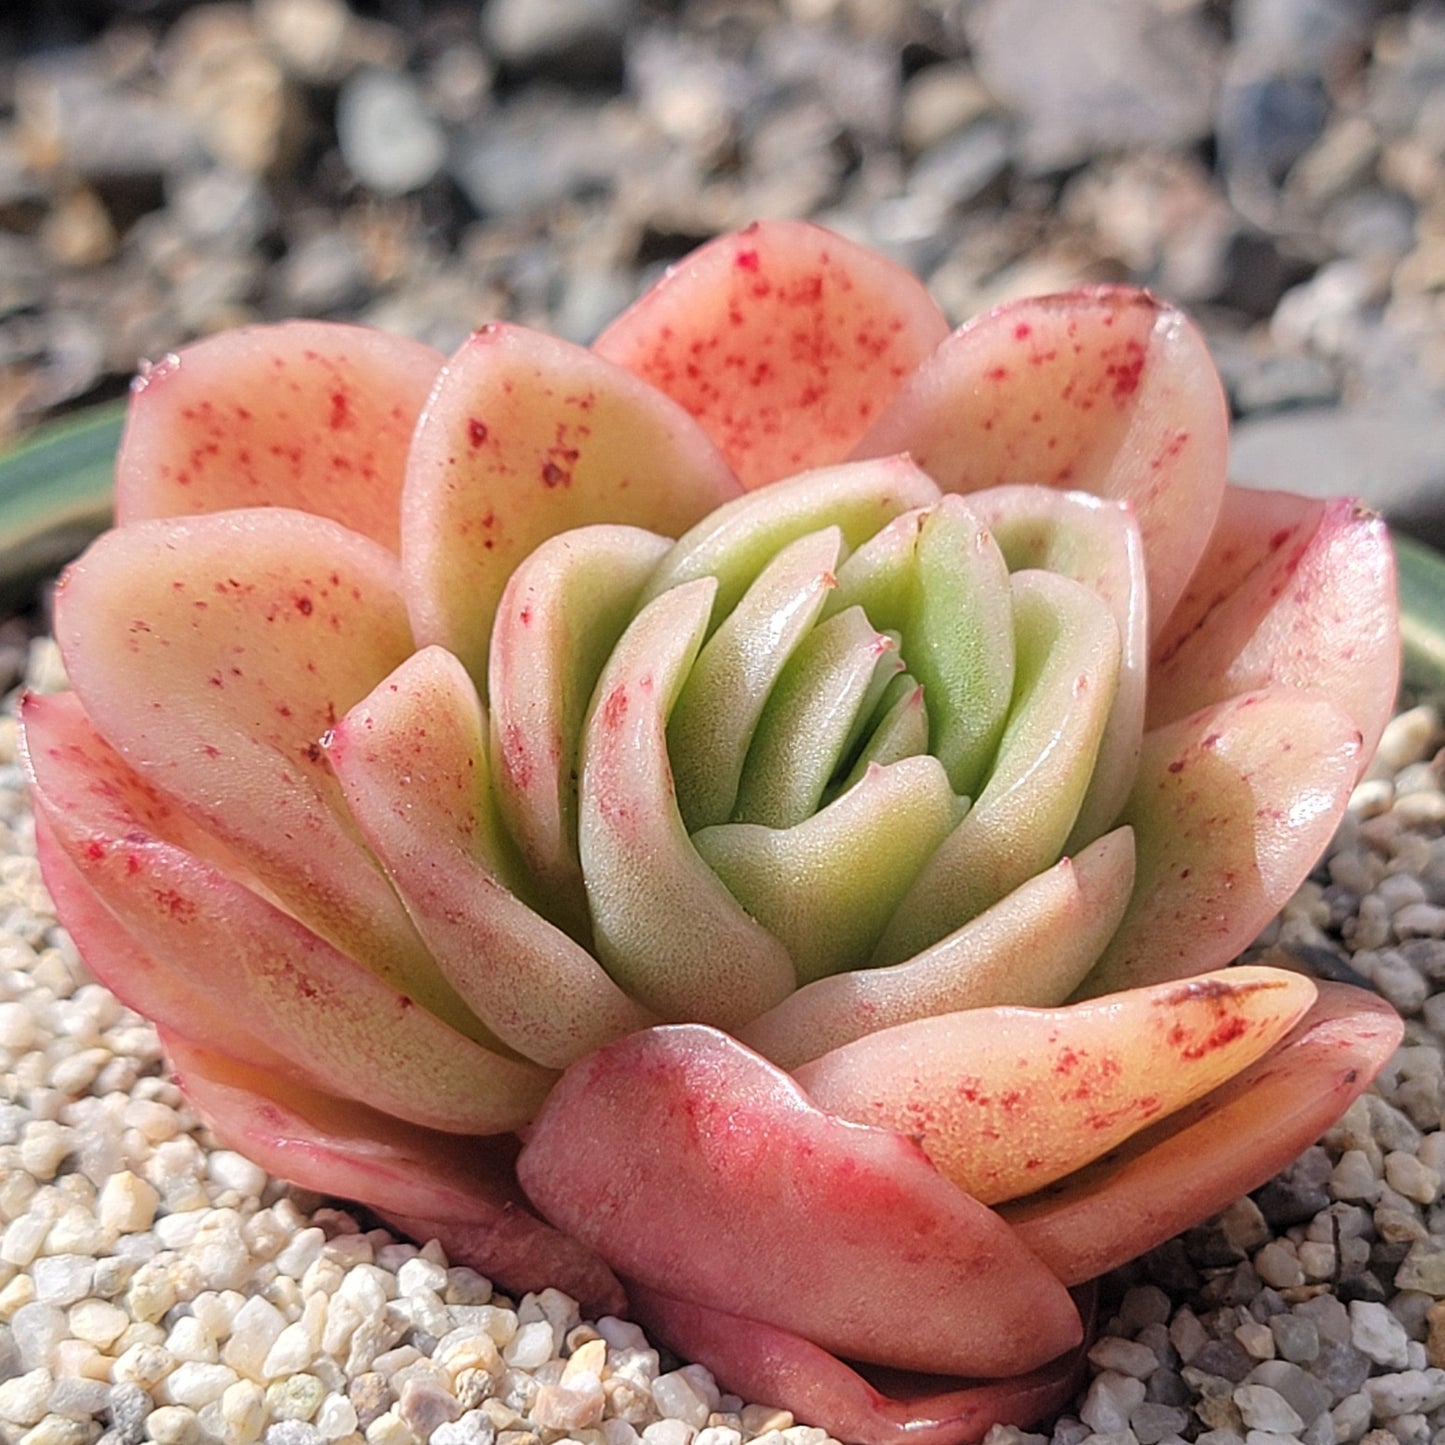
773,794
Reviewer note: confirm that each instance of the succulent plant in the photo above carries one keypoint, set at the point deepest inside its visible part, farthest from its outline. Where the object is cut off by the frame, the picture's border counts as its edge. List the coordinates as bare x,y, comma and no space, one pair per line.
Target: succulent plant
746,822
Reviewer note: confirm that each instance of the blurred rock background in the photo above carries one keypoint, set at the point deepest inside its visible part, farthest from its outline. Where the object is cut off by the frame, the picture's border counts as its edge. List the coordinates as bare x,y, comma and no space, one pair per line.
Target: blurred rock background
1278,166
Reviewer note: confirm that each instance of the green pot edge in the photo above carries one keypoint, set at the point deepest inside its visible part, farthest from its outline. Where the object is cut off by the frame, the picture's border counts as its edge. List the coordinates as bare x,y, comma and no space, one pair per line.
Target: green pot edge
56,488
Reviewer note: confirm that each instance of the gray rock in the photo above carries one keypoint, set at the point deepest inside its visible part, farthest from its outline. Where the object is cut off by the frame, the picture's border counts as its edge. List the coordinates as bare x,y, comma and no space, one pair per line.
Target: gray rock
389,139
1307,1396
570,38
1120,73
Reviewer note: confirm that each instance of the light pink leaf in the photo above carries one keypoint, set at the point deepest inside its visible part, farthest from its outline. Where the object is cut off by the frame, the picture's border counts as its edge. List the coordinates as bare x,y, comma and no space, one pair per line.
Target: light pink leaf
783,340
307,414
341,1027
1031,948
851,1236
1105,390
1232,807
1292,592
461,1189
254,631
1007,1100
1229,1142
412,762
867,1406
524,437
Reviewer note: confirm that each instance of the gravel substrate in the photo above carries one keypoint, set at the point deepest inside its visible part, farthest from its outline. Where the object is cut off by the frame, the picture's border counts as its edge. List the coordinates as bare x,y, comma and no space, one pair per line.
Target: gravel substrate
156,1287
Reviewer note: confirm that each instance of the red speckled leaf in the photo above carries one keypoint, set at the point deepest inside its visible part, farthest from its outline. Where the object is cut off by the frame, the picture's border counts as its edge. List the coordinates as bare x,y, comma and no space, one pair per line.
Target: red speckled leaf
340,1026
1222,1146
783,340
412,762
254,631
461,1189
867,1406
527,436
1104,390
676,1153
307,414
1292,592
1030,948
1007,1100
1231,808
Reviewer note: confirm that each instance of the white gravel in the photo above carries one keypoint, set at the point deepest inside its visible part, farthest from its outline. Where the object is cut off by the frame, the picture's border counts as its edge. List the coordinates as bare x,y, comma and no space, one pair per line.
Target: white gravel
156,1287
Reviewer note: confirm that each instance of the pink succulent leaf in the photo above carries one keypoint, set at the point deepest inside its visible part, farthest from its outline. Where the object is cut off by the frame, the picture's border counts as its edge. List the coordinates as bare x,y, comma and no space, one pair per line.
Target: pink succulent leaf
783,340
827,886
851,1236
1231,808
558,621
1006,1100
1067,651
664,925
412,762
1292,592
524,437
728,687
869,1406
1031,948
1106,390
1223,1145
340,1026
738,540
255,631
1096,543
464,1187
935,578
306,414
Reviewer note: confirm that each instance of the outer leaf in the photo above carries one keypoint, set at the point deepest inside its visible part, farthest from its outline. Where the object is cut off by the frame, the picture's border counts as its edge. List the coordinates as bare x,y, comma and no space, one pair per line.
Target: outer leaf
524,437
465,1187
785,341
1226,1144
850,1234
412,762
1031,948
1007,1100
1231,809
665,927
871,1407
255,631
559,618
1105,390
307,414
1067,650
343,1029
1291,593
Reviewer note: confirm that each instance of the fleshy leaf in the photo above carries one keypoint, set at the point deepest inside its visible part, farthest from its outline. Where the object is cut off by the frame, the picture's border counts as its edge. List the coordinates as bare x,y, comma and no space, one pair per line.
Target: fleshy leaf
1231,808
718,709
1291,593
827,886
849,1233
341,1027
559,618
1007,1100
1096,543
664,926
306,414
739,539
1031,949
1067,650
254,630
464,1186
1227,1143
783,340
412,762
524,437
1105,390
868,1406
